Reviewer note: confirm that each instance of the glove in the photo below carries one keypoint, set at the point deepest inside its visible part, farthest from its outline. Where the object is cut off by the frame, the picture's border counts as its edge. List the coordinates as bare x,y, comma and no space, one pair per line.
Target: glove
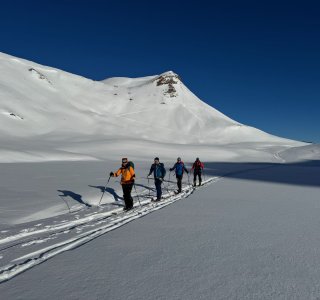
187,172
171,169
111,174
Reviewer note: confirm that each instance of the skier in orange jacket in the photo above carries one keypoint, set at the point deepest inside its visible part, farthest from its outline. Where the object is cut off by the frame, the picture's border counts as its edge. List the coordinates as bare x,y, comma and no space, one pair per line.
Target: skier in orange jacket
127,180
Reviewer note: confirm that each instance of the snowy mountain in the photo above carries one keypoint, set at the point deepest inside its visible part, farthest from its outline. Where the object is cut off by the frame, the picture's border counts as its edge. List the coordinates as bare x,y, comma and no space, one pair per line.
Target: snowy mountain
49,114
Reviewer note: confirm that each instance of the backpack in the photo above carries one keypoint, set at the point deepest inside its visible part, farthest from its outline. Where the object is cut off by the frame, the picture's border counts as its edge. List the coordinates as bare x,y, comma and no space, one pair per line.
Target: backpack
179,168
130,164
197,165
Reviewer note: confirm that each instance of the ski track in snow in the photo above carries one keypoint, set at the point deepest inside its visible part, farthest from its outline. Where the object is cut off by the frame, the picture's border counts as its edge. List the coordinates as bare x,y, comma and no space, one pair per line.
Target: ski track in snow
277,156
23,249
133,112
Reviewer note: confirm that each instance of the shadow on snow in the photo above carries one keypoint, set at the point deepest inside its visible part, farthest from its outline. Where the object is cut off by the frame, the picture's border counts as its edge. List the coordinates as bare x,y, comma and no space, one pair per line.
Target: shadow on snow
108,190
74,196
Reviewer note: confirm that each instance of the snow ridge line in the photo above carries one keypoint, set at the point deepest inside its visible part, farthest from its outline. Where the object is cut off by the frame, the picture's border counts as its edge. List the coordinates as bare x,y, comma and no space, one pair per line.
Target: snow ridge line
30,260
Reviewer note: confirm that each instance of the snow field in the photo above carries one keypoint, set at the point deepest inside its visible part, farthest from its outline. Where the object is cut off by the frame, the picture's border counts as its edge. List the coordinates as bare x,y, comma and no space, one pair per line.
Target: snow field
70,233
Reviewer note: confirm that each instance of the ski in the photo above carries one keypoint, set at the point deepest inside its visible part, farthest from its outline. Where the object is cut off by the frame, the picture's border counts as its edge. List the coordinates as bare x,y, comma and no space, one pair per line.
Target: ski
133,210
117,204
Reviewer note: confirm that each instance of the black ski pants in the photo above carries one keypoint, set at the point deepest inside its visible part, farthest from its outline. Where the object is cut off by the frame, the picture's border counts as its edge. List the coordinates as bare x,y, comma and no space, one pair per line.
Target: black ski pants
179,182
127,188
195,174
158,183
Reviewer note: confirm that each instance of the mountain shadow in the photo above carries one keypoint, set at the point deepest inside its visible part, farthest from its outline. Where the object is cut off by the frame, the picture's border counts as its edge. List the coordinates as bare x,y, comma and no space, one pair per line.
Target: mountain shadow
304,173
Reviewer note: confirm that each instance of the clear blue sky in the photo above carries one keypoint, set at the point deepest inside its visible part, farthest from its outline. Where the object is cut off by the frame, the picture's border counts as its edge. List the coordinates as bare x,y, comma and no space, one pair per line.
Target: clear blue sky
256,61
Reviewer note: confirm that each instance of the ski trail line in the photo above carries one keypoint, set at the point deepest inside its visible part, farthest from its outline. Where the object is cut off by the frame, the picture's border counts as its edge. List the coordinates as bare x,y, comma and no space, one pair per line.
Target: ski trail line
23,259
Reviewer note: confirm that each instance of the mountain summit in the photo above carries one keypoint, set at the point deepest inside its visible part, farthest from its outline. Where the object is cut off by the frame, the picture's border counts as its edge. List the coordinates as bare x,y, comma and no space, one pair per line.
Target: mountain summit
169,80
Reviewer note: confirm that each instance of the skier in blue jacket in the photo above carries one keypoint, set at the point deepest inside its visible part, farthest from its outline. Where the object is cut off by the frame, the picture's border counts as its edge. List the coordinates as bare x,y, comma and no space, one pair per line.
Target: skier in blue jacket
179,169
159,172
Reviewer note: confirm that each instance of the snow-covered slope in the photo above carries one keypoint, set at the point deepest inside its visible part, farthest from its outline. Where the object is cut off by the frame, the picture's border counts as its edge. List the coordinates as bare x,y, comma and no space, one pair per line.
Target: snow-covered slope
49,113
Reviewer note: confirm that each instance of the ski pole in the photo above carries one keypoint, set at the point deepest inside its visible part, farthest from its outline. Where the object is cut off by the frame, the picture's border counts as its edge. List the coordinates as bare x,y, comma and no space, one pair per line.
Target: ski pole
168,185
165,186
137,193
149,186
164,180
104,190
66,202
193,175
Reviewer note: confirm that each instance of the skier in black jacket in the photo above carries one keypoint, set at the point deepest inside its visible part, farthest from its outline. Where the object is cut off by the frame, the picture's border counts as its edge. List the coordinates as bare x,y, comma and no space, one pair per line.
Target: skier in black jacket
159,172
